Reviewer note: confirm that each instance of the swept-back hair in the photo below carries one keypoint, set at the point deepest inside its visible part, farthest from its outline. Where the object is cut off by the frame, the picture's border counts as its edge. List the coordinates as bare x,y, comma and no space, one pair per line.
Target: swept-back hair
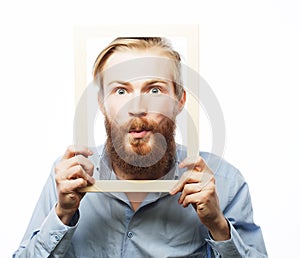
142,43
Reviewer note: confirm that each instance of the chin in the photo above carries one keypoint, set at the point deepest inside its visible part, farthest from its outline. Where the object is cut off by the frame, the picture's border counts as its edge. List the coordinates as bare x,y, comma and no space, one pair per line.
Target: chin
139,146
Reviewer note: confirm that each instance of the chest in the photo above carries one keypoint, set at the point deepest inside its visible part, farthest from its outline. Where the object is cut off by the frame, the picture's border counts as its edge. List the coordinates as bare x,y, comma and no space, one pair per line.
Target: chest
110,228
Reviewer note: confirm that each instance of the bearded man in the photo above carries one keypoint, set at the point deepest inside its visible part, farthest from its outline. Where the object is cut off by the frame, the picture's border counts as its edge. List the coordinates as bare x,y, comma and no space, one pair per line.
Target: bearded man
206,214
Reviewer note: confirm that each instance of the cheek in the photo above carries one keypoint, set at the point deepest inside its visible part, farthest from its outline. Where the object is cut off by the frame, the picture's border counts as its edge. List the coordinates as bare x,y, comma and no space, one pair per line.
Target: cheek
114,108
162,105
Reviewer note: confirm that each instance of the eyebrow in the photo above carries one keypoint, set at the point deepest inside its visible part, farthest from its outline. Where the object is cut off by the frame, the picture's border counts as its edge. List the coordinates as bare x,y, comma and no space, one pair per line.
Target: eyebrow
118,82
156,81
149,82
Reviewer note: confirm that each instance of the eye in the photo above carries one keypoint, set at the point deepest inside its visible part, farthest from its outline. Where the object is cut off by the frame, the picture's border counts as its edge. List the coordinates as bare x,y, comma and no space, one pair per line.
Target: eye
121,91
155,90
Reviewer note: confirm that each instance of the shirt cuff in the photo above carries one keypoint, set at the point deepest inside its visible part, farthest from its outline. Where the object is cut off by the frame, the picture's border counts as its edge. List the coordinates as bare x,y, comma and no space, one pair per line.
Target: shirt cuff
233,247
54,232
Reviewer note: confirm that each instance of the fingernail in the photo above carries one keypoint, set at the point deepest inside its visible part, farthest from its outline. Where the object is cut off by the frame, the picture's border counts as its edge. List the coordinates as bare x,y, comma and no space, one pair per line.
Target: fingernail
92,180
173,190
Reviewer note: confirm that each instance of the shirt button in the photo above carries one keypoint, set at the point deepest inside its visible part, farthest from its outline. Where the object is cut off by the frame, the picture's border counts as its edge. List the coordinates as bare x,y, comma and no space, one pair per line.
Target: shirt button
130,234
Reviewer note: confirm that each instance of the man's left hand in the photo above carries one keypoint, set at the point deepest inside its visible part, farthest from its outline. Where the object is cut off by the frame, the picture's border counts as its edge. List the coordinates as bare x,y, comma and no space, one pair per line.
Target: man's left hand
197,187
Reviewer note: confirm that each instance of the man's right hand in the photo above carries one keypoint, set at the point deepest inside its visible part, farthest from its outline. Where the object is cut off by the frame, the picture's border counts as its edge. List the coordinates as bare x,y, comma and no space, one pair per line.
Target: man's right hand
73,171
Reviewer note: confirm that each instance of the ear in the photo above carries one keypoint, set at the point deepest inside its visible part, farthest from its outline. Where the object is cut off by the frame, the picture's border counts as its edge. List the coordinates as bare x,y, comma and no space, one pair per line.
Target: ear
181,102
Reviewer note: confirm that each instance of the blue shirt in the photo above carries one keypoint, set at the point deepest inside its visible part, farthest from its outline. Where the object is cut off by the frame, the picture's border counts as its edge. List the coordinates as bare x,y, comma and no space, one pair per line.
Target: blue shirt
107,226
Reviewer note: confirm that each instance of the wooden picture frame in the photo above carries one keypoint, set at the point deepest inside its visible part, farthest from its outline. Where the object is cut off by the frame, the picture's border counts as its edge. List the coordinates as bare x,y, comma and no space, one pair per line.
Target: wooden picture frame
82,37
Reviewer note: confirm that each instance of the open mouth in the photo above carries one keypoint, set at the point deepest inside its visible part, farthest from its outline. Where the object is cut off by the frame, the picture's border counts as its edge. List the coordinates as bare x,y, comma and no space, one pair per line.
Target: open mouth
138,133
139,129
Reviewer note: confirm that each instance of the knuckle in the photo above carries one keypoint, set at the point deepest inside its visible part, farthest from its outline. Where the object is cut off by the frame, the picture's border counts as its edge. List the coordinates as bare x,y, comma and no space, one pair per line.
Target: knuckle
212,191
81,181
61,187
77,159
188,188
184,191
209,194
78,168
187,200
211,187
213,180
58,170
199,187
91,167
205,199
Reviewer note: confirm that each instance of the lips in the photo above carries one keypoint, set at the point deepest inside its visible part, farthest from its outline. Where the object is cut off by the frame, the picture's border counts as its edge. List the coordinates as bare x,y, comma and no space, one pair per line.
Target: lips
138,134
140,128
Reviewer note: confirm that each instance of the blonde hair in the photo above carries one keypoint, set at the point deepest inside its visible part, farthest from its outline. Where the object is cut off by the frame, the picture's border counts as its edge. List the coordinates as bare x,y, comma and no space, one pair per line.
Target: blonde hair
139,43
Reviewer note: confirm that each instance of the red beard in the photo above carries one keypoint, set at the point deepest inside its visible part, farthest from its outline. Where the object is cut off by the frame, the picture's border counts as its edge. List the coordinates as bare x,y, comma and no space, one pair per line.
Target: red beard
149,157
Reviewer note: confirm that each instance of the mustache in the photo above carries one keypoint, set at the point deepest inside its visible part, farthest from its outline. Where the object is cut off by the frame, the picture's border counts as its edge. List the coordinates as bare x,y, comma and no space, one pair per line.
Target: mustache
140,124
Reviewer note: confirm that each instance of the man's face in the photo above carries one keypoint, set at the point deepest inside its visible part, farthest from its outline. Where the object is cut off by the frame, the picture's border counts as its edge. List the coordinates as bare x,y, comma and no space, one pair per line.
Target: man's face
140,105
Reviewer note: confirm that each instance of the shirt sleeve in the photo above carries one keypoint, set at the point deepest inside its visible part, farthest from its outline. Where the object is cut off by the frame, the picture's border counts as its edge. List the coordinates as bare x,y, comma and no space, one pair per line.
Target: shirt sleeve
234,247
46,235
246,237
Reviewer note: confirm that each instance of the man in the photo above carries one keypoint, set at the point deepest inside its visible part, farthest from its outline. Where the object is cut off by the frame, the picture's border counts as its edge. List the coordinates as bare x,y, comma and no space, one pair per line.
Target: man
206,214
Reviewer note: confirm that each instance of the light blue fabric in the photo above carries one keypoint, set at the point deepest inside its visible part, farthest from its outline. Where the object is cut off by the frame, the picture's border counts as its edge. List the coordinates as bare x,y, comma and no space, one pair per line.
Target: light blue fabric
106,226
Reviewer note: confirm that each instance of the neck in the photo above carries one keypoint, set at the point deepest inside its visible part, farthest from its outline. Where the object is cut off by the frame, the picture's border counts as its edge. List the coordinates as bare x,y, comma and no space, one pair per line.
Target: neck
135,199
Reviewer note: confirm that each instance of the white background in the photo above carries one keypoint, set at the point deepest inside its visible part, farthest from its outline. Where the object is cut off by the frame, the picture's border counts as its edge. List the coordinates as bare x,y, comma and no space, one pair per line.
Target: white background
249,55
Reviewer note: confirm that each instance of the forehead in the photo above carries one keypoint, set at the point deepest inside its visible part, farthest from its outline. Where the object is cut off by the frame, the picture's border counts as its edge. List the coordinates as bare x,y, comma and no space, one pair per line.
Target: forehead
131,64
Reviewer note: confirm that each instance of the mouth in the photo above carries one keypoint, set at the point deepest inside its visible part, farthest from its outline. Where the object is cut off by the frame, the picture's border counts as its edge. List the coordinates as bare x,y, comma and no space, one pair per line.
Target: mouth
139,133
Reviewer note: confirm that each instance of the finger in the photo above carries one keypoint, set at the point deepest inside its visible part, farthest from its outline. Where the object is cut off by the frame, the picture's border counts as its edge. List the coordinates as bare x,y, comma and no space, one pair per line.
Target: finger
75,172
197,199
190,189
189,176
63,166
192,176
87,165
79,172
77,150
70,186
193,163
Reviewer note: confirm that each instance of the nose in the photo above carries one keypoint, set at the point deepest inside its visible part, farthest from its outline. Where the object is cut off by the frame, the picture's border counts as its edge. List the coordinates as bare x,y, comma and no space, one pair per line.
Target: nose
137,106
